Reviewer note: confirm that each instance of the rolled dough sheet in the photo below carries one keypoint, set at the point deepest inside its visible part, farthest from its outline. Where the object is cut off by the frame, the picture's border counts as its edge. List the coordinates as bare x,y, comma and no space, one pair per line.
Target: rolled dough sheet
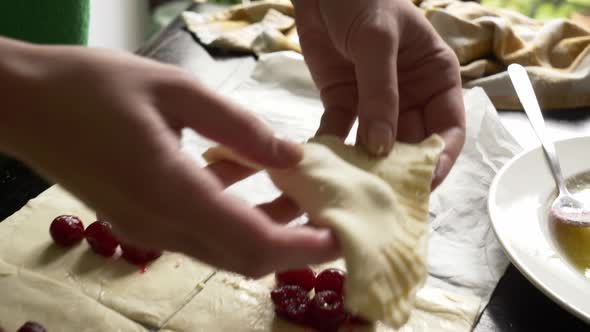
148,298
28,296
230,302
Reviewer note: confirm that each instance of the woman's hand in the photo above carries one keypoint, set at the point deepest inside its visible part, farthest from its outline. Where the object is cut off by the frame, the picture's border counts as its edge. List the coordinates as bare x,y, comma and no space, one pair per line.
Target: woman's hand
106,127
381,61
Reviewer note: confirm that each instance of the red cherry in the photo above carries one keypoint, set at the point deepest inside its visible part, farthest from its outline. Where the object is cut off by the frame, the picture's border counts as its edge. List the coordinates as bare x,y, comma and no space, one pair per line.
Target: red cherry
31,327
138,256
330,279
101,239
67,230
327,311
295,310
291,303
300,277
283,293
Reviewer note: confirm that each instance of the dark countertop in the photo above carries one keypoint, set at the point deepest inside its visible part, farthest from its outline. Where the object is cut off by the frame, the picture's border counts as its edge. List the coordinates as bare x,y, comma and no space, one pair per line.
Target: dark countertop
516,304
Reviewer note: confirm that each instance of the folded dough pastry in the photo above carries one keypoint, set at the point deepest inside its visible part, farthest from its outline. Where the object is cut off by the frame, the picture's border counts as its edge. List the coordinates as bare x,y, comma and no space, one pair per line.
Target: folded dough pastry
378,209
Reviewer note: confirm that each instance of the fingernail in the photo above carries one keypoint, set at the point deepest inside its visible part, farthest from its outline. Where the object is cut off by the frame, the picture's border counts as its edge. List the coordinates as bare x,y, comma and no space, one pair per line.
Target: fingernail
436,173
439,169
380,138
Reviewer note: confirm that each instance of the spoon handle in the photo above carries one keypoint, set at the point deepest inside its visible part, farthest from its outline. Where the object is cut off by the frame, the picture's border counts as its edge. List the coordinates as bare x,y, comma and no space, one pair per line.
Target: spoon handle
526,95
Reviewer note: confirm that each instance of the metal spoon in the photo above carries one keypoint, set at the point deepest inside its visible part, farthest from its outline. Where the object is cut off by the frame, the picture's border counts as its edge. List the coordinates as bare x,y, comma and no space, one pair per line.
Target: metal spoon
565,207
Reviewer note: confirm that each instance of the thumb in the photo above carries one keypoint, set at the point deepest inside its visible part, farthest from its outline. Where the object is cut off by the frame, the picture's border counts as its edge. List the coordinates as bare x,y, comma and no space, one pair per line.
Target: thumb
373,47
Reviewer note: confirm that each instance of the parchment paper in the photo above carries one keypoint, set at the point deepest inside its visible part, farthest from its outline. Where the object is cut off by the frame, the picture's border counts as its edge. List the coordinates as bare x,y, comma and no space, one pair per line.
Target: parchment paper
464,255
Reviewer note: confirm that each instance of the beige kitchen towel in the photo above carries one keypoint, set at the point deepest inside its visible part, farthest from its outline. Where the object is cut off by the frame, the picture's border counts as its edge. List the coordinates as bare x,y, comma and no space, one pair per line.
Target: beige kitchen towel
260,26
485,40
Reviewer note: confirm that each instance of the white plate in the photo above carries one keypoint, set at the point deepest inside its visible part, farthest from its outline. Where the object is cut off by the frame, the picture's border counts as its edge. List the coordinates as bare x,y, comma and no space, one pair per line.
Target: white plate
518,205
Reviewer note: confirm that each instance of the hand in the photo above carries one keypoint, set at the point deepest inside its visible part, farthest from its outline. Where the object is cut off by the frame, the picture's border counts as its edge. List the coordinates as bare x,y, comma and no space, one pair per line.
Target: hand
382,61
106,127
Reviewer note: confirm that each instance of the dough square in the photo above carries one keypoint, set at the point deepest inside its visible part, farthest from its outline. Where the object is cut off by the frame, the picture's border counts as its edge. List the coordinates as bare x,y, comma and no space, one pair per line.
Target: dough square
229,302
28,296
148,298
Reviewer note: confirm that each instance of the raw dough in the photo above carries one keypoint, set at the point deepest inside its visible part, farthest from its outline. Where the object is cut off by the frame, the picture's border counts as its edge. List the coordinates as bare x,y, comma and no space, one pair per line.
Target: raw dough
233,303
32,264
26,296
148,298
378,209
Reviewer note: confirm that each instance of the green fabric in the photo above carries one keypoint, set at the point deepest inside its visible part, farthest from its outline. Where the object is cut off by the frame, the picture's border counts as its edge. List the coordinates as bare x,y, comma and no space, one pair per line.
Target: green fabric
45,21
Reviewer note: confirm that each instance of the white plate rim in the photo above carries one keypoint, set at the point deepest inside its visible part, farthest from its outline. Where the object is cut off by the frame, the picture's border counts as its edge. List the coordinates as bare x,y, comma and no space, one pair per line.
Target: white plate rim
514,258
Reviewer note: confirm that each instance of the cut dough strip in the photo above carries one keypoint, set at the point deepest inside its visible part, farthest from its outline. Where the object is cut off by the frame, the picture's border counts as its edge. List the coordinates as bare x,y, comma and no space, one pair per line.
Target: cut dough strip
28,296
378,209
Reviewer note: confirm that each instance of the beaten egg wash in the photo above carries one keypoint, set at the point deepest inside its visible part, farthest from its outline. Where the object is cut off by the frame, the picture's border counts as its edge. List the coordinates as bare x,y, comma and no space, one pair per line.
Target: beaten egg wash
572,241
